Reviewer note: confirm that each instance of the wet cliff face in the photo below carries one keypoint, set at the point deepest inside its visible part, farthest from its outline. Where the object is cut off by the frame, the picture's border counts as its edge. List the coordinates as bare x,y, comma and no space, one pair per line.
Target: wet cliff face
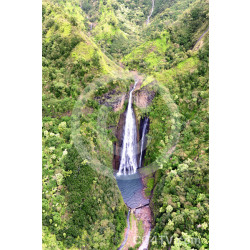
113,99
144,122
141,98
118,143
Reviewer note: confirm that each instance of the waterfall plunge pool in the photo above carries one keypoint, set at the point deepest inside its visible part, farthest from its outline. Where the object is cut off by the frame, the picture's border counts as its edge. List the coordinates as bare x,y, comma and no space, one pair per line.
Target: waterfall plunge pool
131,188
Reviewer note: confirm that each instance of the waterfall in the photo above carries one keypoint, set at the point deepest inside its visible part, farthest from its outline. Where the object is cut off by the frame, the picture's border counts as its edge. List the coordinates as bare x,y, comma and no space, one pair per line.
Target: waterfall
151,12
144,132
128,163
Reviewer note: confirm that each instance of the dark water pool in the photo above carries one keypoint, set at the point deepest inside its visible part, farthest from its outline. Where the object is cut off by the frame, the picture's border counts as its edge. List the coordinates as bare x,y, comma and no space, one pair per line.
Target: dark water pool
131,187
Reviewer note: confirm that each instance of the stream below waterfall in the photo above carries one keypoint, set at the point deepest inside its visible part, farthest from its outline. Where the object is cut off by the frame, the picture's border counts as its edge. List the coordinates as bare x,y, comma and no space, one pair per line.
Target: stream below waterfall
126,236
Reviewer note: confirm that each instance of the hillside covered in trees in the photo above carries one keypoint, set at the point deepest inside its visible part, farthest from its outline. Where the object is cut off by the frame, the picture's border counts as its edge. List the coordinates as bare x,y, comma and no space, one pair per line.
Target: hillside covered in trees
90,47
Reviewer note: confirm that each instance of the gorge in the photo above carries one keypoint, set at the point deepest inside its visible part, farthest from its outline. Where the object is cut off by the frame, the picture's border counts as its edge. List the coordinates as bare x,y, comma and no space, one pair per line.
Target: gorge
95,185
128,178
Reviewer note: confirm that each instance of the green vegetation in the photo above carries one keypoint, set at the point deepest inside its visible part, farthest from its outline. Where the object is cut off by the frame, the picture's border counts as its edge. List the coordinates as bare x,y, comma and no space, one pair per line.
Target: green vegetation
183,183
80,206
70,59
83,42
150,186
140,233
192,23
180,193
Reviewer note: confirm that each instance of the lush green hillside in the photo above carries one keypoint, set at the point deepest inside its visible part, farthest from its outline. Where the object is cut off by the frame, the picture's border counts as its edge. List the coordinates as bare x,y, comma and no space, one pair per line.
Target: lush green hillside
179,199
70,58
80,206
83,43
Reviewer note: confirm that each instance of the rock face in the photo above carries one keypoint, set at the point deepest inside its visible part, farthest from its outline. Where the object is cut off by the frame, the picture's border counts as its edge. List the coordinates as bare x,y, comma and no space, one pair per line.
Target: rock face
112,99
143,97
119,104
144,128
118,144
144,214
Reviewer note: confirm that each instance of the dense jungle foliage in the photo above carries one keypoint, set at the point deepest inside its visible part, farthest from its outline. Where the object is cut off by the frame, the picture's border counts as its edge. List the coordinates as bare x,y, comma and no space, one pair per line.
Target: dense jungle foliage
84,40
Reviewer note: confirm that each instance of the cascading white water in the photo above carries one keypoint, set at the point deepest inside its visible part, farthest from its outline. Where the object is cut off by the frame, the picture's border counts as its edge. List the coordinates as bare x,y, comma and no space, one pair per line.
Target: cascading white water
128,163
128,178
151,12
144,131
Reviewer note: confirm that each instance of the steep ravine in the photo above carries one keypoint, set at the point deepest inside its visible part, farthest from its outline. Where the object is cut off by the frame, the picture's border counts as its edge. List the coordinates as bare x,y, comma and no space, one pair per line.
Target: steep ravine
140,213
